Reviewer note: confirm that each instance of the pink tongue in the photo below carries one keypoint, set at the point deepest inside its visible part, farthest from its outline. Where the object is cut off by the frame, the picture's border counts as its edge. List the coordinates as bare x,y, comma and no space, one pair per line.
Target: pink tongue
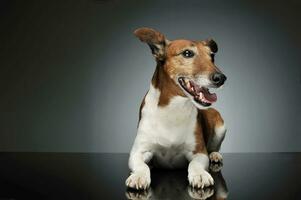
209,97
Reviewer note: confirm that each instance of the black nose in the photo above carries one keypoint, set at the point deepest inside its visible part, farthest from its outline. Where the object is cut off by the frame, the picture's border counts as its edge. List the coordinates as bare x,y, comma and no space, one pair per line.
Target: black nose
218,79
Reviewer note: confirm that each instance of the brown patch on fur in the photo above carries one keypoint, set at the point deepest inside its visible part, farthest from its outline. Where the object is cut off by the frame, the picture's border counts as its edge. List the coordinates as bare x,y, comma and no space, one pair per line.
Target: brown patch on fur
209,119
141,107
149,35
200,64
211,44
155,40
200,146
168,88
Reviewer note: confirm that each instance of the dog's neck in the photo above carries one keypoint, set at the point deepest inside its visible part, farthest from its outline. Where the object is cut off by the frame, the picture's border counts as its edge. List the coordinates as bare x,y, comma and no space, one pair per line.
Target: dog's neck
163,82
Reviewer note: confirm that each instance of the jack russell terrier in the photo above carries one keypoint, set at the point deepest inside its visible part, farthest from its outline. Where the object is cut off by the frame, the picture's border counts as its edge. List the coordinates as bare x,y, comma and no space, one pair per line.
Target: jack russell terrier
174,129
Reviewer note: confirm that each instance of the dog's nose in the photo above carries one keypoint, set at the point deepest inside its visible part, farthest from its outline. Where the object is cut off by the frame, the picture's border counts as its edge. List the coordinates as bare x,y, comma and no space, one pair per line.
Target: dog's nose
218,79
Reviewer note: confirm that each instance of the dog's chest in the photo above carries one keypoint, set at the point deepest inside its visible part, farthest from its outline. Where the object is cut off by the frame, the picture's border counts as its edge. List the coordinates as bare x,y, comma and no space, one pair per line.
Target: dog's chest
169,129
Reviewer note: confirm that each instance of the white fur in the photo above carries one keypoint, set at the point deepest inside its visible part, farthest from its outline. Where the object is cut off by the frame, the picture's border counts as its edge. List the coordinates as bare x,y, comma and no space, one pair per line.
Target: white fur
197,175
166,134
220,132
216,141
203,80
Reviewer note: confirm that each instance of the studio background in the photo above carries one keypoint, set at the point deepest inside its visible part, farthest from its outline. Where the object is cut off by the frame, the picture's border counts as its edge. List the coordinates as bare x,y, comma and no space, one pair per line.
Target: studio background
72,75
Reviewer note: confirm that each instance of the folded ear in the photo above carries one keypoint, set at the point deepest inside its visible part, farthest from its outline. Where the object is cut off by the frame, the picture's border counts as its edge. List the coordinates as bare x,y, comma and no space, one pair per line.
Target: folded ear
156,41
211,44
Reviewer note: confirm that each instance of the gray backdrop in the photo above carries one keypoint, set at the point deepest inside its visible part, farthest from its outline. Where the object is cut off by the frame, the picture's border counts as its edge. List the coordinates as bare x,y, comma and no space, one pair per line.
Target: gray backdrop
73,75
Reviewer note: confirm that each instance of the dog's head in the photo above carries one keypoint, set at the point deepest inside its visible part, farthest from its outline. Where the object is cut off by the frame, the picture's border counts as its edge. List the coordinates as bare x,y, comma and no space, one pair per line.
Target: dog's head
190,64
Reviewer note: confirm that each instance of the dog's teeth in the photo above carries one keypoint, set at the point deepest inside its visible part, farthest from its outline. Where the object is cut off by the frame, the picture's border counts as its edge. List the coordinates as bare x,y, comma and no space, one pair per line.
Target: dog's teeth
188,84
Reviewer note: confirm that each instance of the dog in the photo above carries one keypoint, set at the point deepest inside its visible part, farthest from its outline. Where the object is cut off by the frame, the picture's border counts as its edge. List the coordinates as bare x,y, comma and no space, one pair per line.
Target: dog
174,129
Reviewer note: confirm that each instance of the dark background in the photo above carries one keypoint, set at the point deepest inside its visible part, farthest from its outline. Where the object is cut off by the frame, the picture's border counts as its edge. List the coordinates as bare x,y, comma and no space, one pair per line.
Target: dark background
72,74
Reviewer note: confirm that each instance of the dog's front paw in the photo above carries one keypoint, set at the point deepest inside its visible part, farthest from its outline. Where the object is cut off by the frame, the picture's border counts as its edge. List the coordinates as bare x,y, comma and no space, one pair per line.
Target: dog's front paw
201,180
197,193
216,157
138,180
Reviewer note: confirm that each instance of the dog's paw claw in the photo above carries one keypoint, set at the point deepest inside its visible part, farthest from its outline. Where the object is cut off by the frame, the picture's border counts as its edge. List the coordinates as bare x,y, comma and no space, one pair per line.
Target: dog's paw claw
138,181
204,179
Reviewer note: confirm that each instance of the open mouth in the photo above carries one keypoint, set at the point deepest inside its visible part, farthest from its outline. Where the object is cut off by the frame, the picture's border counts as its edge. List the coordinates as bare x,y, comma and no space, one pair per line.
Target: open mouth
199,93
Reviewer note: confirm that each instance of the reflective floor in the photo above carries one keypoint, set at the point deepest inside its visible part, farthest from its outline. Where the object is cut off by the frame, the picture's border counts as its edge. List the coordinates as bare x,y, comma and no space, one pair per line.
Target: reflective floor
102,176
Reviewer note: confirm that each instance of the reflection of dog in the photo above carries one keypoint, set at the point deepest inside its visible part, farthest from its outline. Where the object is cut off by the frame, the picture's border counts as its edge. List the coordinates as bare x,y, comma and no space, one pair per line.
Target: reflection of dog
220,186
174,127
172,185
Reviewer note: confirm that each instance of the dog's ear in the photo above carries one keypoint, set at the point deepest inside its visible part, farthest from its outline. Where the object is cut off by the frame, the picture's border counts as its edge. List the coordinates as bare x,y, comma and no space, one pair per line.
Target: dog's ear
211,44
156,41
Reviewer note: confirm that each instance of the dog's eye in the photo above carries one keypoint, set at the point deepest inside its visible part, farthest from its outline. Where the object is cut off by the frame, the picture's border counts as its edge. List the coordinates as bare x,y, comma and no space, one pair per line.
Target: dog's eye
212,56
188,53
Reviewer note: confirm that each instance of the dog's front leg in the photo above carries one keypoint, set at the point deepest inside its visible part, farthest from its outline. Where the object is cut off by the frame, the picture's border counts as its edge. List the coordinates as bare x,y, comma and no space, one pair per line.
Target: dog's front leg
140,172
197,170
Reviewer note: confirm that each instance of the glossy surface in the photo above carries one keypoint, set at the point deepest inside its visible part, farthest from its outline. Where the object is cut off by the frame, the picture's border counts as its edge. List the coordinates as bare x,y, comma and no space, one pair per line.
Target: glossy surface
102,176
